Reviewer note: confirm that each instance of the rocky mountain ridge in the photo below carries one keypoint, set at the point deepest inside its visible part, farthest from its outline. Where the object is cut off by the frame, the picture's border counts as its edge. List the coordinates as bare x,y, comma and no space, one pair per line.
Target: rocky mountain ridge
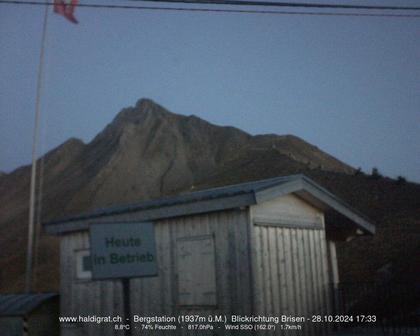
148,152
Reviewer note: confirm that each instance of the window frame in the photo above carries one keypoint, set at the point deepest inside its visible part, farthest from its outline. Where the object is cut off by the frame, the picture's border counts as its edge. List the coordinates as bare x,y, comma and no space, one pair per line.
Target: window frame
81,273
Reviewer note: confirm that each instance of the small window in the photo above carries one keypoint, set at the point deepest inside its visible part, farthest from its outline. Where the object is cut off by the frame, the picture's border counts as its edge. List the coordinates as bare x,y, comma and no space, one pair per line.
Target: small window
196,271
83,264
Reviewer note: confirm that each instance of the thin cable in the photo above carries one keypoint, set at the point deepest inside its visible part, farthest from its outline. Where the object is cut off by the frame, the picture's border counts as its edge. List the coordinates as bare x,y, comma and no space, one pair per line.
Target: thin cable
210,10
282,4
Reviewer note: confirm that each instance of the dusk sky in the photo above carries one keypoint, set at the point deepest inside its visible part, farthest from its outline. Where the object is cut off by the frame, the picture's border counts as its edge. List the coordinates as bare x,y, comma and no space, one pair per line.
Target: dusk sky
349,85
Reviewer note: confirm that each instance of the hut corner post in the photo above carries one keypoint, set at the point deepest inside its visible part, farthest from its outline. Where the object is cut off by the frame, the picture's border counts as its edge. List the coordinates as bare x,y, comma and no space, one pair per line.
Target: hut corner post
334,277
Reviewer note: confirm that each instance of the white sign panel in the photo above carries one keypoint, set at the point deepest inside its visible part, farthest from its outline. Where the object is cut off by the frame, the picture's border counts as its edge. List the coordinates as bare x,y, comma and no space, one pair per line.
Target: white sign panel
124,250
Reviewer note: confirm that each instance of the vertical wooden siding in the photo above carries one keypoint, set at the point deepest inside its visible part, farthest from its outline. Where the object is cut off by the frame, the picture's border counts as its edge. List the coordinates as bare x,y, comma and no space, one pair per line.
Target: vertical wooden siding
290,263
158,295
84,297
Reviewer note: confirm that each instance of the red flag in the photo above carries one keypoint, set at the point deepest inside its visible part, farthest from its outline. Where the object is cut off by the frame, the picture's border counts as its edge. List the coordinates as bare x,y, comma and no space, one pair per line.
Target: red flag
66,8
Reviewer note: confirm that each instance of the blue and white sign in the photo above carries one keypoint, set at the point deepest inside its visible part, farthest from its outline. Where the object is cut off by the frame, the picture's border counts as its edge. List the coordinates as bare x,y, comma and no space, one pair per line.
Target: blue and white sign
124,250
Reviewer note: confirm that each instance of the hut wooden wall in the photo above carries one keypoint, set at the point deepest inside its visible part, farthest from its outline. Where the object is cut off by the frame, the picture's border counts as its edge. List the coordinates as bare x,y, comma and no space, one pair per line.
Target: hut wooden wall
85,297
290,262
158,295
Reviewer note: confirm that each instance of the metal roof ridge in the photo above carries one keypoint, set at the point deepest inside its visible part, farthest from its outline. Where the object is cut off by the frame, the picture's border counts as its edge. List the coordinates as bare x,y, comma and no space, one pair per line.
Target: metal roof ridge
336,198
16,304
182,198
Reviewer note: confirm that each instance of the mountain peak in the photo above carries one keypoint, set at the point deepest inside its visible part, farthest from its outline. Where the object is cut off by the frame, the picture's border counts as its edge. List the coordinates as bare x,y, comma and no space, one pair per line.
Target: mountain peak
143,109
145,104
150,123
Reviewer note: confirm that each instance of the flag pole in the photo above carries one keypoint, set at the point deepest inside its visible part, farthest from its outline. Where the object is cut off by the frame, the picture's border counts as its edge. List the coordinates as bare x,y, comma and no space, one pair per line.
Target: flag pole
31,219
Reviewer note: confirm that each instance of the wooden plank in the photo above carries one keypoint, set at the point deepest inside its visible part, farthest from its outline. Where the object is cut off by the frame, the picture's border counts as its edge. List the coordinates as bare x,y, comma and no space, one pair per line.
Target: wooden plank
65,277
75,284
289,222
291,300
180,231
295,266
308,270
137,304
102,309
117,302
241,276
232,261
317,281
176,227
75,292
219,224
240,243
326,272
95,287
261,238
317,298
252,257
155,292
333,263
314,280
268,284
259,273
165,273
313,271
243,280
308,278
154,284
321,278
282,275
265,270
289,209
274,271
110,304
173,275
301,276
327,297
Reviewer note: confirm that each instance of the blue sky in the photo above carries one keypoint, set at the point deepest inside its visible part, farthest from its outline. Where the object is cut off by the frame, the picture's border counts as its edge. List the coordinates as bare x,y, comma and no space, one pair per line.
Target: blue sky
349,85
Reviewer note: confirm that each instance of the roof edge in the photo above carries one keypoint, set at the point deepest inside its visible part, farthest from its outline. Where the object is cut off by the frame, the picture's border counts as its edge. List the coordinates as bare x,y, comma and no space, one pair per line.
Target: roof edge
168,211
206,201
21,304
341,206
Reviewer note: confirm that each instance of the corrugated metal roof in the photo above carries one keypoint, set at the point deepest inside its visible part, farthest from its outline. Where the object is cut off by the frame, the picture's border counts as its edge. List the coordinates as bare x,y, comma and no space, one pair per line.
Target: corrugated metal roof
213,193
220,198
22,304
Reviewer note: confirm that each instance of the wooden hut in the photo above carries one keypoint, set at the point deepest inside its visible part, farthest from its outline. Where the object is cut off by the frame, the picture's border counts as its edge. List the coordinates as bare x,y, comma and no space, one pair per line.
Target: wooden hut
29,314
263,248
